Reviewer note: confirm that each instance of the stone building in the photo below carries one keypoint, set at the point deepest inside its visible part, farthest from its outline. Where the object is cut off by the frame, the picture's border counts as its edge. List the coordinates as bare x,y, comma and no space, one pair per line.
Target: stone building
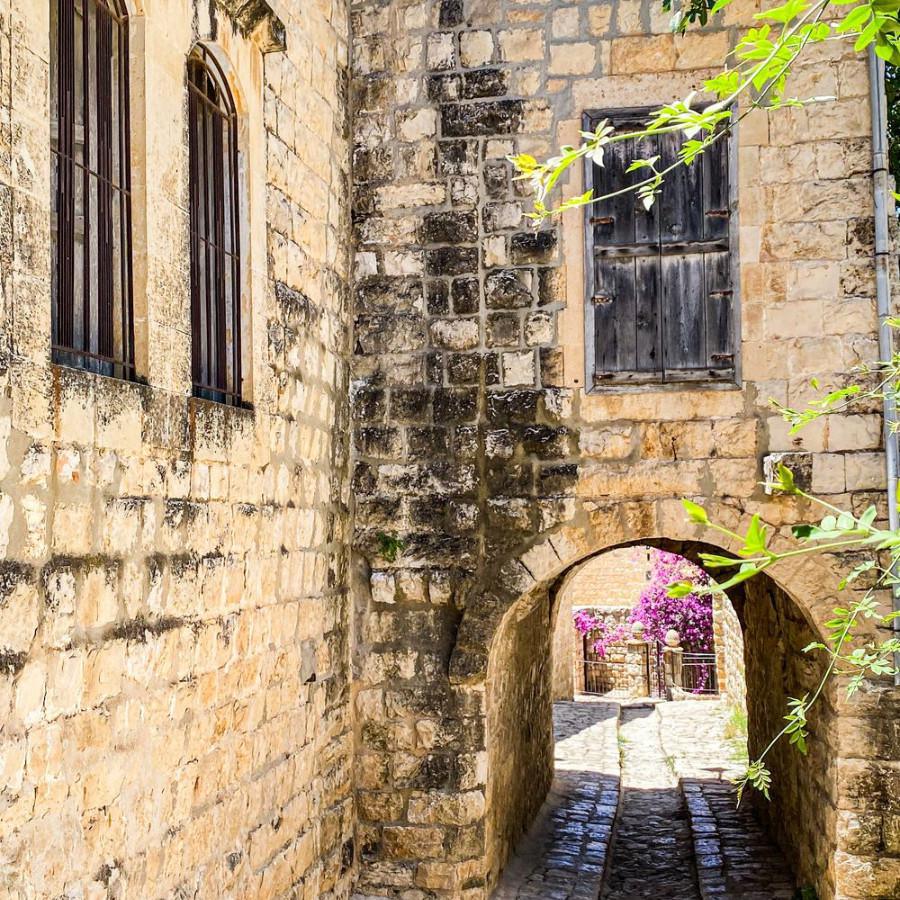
296,443
479,446
609,586
175,617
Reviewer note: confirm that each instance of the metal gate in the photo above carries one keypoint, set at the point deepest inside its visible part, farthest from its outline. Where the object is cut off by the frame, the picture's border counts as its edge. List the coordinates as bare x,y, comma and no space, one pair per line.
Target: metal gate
698,673
598,675
655,670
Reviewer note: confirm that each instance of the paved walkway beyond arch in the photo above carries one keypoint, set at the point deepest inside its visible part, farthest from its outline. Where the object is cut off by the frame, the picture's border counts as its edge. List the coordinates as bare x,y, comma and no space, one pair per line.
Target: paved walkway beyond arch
642,808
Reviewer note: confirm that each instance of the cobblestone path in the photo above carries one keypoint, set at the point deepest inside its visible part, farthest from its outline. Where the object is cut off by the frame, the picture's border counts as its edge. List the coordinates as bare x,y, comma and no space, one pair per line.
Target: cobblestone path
678,835
563,855
653,852
734,856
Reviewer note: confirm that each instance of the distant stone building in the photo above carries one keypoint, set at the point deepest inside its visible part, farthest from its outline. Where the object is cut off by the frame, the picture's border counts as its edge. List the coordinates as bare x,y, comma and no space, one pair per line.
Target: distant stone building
610,585
302,423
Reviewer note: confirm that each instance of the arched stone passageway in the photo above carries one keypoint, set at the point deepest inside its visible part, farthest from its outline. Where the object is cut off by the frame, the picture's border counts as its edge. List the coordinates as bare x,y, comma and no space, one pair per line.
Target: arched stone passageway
451,772
802,814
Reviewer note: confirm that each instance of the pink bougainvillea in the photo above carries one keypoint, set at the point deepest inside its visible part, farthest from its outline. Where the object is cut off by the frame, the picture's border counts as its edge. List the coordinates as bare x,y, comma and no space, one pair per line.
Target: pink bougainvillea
601,632
691,616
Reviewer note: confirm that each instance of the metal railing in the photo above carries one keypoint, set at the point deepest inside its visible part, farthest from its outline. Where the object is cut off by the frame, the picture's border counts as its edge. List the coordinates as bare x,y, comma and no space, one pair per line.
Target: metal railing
601,678
698,673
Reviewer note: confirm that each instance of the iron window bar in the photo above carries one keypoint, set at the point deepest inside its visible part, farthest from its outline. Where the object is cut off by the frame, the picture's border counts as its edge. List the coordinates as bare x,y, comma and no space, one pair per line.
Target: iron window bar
92,301
214,233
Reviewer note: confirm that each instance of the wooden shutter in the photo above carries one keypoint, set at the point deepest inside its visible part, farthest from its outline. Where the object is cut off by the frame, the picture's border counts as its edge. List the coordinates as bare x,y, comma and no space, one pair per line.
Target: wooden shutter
659,283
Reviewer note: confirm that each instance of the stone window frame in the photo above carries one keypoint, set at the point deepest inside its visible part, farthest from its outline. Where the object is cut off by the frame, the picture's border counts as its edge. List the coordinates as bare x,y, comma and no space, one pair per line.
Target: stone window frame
578,363
240,49
235,69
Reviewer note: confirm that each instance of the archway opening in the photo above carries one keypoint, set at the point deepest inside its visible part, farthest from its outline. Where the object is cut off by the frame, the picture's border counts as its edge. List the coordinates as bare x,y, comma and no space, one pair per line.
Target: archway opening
755,652
613,618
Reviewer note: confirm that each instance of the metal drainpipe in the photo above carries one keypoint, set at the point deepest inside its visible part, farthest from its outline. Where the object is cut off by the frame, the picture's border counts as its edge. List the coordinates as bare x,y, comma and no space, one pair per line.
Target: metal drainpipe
880,185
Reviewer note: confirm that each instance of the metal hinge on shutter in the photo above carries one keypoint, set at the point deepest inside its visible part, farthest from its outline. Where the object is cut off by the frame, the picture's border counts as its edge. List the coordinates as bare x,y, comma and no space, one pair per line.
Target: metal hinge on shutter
601,299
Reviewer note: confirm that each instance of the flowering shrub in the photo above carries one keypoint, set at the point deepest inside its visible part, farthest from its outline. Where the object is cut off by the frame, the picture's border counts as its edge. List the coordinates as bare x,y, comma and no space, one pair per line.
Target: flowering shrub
602,632
691,615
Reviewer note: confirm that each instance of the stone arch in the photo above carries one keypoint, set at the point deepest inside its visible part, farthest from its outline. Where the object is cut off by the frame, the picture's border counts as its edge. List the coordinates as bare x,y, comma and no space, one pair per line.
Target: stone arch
595,528
515,639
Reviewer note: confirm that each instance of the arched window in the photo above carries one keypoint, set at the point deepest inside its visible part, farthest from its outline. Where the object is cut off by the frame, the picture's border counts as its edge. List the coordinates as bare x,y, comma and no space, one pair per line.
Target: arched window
92,314
215,232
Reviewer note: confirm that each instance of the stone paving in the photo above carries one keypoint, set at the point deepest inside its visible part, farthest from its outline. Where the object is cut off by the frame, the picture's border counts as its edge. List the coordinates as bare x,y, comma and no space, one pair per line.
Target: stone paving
678,834
564,854
728,842
653,852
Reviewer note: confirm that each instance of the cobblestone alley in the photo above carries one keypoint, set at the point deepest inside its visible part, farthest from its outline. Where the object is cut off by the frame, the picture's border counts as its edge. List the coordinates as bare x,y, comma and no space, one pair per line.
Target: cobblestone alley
677,834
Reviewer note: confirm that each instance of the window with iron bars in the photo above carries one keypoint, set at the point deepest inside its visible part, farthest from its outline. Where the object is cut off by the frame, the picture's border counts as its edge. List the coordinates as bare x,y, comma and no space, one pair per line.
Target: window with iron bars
215,233
92,305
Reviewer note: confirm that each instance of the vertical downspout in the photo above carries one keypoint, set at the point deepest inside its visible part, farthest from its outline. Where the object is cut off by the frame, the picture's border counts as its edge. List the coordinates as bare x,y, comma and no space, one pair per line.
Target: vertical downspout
880,187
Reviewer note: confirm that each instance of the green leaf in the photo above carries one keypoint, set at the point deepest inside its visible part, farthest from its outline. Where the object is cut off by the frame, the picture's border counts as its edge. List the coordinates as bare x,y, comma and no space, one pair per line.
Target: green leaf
785,13
785,482
696,513
855,19
755,539
713,561
747,571
643,164
846,522
680,589
867,36
868,517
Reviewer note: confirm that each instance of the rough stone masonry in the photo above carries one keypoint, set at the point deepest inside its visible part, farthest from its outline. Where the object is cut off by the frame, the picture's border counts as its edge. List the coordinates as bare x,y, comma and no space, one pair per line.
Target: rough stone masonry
174,612
226,669
481,455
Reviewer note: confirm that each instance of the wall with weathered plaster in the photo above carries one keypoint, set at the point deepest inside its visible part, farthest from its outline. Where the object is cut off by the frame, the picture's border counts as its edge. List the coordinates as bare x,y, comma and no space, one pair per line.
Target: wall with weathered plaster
174,617
476,445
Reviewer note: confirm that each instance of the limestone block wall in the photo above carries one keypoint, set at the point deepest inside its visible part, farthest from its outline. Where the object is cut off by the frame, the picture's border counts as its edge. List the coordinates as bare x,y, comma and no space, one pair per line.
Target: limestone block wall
801,785
519,727
729,643
483,468
174,617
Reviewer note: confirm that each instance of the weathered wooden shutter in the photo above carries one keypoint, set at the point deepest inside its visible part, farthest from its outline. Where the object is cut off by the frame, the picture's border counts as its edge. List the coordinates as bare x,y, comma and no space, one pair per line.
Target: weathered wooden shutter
659,283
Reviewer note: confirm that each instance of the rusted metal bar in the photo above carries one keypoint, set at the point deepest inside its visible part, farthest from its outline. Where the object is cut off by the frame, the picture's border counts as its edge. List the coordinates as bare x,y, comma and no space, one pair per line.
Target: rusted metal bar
96,151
